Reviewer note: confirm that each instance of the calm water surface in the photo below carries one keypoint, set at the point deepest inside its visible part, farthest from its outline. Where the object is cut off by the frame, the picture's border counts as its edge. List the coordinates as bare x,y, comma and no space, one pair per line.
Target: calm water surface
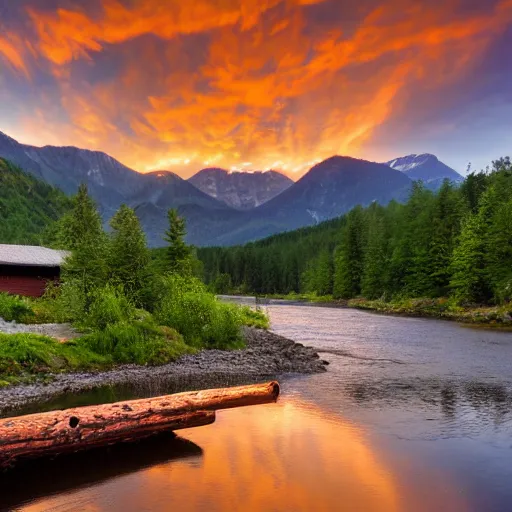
412,415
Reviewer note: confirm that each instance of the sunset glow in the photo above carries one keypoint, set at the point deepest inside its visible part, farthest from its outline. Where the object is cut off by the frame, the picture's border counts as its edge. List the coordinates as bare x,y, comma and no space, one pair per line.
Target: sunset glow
243,84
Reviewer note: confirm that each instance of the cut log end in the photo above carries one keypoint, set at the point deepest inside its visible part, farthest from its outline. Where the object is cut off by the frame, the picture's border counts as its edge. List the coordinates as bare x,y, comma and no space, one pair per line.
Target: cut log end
56,432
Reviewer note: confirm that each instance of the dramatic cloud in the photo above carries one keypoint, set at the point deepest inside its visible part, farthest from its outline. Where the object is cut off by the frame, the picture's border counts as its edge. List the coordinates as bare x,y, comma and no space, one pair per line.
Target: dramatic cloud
242,83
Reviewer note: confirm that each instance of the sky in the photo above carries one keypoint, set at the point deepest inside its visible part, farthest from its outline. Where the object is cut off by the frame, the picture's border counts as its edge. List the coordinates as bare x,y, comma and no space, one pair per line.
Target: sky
259,84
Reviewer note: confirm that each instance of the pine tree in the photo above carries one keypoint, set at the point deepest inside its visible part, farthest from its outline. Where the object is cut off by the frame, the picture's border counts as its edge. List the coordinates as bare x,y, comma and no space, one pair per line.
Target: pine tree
81,232
470,283
349,260
129,256
410,273
324,274
178,252
472,189
499,253
376,261
82,224
445,228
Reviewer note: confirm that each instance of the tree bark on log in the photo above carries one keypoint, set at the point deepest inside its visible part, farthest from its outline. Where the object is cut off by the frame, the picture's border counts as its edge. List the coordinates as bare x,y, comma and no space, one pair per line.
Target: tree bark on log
56,432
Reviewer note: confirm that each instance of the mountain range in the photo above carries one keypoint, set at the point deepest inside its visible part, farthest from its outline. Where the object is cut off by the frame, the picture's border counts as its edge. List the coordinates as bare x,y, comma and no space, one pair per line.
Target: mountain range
223,208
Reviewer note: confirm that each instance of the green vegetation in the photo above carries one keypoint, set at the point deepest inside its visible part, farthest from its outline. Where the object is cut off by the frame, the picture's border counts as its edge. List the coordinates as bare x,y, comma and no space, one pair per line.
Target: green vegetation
255,318
130,307
29,208
23,356
454,245
14,308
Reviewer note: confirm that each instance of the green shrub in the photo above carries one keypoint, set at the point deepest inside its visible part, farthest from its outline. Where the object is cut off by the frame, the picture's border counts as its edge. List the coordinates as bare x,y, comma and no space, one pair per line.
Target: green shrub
107,306
14,308
48,312
72,301
203,321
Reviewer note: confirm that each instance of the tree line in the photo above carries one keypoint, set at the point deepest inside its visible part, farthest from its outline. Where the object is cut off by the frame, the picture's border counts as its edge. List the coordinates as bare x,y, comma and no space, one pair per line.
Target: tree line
456,242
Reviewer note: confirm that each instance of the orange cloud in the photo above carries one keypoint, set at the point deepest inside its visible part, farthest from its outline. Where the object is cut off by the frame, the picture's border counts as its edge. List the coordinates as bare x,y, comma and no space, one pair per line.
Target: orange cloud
234,81
67,35
10,50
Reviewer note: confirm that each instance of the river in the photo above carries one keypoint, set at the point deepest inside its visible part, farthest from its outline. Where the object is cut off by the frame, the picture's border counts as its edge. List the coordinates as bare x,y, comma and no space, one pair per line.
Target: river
412,415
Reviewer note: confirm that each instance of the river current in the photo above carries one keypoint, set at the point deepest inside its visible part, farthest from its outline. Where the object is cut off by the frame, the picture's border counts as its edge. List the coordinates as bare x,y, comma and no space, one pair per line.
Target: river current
412,415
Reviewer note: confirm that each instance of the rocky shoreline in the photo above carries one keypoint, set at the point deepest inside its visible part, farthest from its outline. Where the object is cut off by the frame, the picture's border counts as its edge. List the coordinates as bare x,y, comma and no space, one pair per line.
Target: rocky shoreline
267,355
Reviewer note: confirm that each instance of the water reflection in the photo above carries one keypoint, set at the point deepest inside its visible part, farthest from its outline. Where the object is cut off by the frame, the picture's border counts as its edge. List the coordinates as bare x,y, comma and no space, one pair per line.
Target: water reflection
34,479
492,402
285,457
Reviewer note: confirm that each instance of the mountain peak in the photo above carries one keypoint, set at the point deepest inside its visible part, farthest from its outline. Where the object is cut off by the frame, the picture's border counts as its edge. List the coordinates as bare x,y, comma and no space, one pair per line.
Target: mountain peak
427,168
336,166
4,138
163,175
409,162
240,189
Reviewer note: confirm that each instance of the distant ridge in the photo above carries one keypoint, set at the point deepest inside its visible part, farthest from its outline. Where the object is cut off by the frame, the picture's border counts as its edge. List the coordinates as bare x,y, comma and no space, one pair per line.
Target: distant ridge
241,190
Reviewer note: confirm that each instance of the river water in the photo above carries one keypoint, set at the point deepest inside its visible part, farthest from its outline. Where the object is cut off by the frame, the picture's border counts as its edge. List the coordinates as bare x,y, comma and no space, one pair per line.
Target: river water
412,415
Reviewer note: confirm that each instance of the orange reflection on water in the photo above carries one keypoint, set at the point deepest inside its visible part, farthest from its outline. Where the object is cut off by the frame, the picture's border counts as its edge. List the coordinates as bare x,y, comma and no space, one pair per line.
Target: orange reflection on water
284,458
291,456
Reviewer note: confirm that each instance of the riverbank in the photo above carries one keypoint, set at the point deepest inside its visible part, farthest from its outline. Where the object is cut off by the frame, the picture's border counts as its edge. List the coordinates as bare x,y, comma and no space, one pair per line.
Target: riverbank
485,316
266,355
497,317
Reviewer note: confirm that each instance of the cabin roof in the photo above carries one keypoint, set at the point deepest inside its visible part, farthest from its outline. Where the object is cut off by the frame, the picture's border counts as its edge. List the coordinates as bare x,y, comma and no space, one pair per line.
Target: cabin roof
30,255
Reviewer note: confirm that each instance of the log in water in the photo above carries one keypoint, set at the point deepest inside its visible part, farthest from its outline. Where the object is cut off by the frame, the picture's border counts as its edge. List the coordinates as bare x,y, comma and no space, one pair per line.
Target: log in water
81,428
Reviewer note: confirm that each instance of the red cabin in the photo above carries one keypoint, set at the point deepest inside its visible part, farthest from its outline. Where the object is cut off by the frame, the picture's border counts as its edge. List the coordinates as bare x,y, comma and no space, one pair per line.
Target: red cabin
26,270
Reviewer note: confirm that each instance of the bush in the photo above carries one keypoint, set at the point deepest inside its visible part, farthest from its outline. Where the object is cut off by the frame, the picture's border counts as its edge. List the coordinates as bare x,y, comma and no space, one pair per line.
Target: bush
71,300
203,321
14,308
48,312
107,306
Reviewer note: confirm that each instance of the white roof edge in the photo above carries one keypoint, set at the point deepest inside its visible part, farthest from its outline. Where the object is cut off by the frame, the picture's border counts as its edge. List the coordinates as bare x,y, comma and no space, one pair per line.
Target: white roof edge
31,255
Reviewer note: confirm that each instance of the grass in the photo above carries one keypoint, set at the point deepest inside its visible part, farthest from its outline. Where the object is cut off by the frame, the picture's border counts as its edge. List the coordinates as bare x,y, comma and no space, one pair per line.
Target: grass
137,343
255,318
26,356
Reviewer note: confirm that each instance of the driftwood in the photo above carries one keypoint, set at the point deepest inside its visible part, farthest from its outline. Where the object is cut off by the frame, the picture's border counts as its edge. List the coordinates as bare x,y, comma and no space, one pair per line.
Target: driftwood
56,432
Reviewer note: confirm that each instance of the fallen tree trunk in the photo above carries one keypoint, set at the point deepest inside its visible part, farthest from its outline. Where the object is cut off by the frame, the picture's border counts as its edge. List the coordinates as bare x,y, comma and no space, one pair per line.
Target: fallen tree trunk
56,432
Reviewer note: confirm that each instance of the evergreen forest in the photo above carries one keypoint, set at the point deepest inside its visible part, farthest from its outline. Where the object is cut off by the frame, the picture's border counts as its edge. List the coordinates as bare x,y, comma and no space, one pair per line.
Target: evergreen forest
454,243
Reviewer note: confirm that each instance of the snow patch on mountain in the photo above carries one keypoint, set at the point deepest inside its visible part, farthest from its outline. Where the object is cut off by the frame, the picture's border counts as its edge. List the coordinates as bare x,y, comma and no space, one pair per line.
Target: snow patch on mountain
427,168
315,216
95,174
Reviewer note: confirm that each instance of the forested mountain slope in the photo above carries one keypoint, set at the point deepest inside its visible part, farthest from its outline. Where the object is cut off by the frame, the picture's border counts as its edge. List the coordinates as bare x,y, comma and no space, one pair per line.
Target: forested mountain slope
456,242
28,206
110,183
